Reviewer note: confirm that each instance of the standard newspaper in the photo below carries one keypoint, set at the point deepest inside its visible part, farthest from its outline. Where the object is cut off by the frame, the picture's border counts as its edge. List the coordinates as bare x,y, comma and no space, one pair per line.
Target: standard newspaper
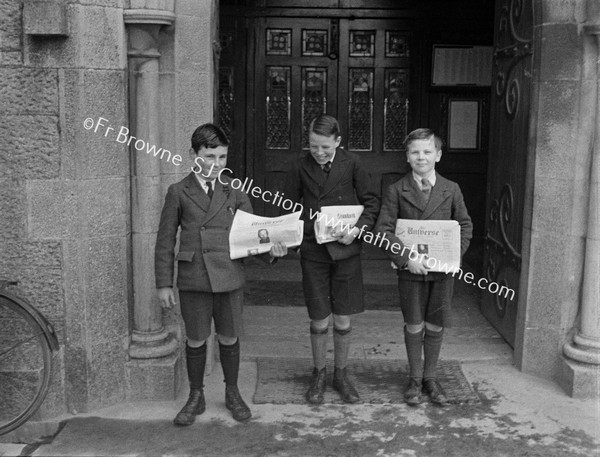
332,219
437,241
252,235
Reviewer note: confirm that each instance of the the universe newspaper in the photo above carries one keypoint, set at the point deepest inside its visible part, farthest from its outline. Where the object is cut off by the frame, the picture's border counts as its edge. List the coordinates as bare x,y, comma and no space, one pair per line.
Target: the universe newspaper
335,219
437,241
252,235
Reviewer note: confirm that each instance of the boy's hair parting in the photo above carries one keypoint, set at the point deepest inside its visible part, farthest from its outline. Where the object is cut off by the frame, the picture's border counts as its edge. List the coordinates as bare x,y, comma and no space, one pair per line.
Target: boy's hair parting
423,134
209,136
326,125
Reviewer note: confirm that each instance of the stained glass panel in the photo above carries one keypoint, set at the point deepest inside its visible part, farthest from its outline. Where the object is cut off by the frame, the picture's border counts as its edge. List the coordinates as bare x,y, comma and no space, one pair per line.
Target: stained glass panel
362,43
278,107
314,42
395,109
314,97
279,42
226,42
360,109
396,44
226,99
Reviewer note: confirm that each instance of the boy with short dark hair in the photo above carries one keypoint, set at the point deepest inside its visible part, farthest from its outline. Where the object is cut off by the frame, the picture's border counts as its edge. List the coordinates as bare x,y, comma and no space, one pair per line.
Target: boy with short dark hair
331,272
203,205
425,297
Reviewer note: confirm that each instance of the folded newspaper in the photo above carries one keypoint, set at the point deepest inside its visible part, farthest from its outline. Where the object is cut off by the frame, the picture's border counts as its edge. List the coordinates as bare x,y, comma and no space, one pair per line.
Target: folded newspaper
437,241
252,235
335,219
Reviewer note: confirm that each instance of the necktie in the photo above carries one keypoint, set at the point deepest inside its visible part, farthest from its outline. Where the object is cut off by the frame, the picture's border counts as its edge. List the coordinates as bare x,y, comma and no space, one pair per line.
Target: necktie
210,190
326,167
426,188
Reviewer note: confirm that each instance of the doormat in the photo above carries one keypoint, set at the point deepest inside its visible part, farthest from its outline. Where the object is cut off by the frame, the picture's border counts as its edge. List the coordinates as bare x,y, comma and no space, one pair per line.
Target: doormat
285,381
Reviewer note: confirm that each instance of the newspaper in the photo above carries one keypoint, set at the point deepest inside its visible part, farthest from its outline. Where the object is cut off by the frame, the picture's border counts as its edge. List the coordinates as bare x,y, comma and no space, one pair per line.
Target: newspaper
252,235
336,218
437,241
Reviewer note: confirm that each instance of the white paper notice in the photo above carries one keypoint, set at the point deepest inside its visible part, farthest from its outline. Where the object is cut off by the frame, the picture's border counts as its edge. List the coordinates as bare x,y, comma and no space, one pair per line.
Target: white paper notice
437,241
252,235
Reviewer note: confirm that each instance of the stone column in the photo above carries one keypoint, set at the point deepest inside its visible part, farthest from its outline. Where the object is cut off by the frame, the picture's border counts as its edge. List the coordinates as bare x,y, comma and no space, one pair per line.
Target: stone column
583,353
150,341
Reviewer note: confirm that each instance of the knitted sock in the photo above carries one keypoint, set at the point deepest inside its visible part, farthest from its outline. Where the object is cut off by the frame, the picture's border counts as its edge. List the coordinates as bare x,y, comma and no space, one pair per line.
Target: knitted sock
230,362
196,361
341,345
432,344
318,342
414,349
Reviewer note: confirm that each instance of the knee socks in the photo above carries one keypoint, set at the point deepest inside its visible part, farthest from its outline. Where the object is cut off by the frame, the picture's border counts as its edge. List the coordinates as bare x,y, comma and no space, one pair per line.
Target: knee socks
230,362
341,344
196,362
432,345
318,342
414,349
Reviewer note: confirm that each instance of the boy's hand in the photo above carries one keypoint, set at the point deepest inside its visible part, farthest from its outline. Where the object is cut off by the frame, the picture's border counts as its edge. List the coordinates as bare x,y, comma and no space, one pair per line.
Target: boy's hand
416,267
166,297
278,249
347,237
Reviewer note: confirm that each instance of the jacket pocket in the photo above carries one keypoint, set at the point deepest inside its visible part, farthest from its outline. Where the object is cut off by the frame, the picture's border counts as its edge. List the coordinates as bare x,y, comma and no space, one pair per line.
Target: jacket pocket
185,256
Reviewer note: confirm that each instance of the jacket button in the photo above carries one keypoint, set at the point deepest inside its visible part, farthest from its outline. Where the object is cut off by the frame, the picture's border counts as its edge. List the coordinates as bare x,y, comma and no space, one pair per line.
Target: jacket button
204,251
202,228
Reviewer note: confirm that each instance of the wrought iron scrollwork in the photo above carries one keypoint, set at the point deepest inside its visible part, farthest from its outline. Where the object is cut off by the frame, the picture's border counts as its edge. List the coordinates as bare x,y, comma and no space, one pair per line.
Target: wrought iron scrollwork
509,51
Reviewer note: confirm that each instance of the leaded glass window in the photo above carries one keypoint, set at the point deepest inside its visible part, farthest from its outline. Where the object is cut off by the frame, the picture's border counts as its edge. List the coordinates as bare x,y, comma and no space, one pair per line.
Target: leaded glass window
395,108
314,42
279,42
362,43
314,97
226,99
278,107
360,109
396,44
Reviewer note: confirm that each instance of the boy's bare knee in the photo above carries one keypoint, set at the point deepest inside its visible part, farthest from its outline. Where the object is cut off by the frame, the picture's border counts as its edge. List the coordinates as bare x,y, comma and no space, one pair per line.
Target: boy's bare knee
195,343
227,340
433,327
320,324
414,328
341,322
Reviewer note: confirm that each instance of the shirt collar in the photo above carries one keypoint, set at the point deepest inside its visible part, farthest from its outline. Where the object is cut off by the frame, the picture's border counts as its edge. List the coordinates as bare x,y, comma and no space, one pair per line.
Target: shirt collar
431,178
203,182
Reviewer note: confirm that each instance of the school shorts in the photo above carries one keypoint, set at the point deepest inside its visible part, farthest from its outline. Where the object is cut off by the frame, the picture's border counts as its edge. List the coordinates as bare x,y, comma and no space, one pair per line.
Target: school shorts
427,301
332,287
198,309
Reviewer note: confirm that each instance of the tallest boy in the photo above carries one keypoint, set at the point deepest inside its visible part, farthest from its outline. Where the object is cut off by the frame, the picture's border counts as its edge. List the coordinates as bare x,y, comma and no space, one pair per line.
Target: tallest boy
331,272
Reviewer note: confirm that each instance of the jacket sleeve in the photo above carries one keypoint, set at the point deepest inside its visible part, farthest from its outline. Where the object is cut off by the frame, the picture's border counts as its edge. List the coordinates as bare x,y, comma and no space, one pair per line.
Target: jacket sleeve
367,196
460,214
164,251
386,226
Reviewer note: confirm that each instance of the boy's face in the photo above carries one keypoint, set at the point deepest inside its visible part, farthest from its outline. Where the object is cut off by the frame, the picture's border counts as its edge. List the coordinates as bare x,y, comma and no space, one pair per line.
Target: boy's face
210,160
322,148
422,156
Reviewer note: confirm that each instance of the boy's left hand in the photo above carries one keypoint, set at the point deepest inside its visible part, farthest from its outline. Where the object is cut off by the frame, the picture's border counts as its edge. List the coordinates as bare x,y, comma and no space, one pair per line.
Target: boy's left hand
347,237
278,249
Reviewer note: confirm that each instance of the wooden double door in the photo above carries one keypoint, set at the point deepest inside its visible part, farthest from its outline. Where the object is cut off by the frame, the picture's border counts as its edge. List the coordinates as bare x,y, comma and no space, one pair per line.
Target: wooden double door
358,70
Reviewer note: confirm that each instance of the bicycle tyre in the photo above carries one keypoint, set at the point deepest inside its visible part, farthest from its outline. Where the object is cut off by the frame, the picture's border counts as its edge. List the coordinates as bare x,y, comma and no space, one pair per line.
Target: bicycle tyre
22,341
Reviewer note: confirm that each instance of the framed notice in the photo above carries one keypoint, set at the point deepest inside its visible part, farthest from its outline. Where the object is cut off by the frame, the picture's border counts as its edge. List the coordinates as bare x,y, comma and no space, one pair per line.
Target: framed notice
463,124
461,65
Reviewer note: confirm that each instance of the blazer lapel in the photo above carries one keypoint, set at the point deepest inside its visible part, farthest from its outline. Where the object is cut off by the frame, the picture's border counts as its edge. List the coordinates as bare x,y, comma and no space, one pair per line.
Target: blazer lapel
313,170
412,194
194,190
338,168
439,193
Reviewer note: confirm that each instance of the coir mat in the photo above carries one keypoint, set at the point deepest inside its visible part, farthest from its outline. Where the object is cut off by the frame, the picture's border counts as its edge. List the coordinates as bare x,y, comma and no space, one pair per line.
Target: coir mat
285,381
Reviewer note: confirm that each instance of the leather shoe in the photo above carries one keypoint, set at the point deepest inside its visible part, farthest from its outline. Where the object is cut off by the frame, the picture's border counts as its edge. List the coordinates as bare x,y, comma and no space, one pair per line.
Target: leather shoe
432,388
234,403
342,384
412,394
195,406
316,390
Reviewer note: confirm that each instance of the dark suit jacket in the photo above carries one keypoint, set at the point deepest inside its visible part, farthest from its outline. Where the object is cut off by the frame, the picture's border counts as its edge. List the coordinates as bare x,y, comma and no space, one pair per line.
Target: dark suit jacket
347,183
404,200
203,257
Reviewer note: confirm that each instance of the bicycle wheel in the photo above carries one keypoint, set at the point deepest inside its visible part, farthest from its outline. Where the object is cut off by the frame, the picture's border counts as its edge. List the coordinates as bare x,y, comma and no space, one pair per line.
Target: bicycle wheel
25,365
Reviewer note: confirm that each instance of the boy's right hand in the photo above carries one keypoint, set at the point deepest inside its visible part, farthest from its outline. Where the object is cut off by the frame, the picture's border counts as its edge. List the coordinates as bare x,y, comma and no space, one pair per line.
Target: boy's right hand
166,297
416,267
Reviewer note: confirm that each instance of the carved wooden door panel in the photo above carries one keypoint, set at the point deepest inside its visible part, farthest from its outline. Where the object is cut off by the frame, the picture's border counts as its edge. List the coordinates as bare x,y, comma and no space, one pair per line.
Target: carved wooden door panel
356,70
509,127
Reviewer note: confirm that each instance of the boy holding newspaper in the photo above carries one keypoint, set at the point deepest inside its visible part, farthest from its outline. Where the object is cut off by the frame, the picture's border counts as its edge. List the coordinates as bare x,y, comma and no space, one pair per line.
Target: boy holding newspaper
425,296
